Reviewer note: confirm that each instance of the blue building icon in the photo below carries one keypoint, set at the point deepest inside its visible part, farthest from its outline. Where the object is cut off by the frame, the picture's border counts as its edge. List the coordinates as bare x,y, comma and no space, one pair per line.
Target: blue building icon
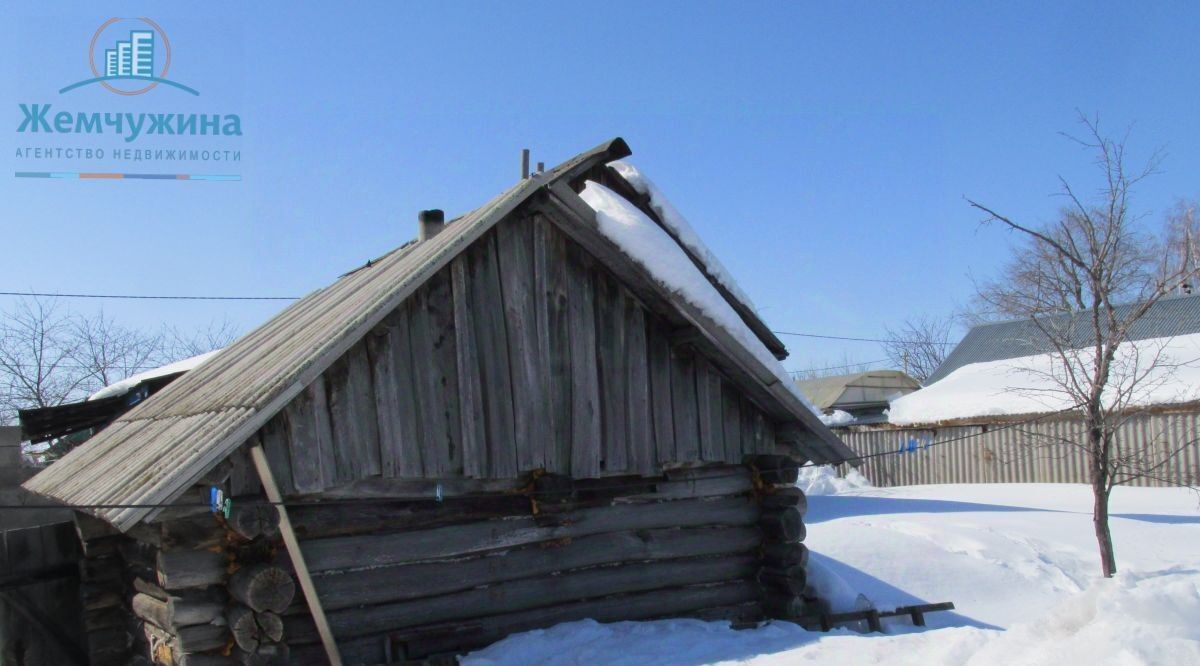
133,58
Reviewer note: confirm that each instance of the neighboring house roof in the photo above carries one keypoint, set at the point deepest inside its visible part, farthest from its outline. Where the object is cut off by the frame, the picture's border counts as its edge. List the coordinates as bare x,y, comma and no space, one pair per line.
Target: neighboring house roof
154,452
1177,315
100,408
1028,385
857,390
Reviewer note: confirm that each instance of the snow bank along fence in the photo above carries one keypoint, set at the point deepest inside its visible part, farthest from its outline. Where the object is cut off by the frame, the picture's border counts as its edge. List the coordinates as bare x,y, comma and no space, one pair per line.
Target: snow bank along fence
503,426
1031,452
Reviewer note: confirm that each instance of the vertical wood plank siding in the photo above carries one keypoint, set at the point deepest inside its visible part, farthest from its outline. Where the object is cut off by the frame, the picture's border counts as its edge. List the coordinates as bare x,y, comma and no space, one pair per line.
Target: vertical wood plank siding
525,353
1040,452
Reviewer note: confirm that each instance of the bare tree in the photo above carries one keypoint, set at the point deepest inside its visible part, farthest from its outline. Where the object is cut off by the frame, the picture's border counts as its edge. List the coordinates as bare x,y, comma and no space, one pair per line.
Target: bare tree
178,344
49,356
1084,281
1182,252
36,357
107,352
919,345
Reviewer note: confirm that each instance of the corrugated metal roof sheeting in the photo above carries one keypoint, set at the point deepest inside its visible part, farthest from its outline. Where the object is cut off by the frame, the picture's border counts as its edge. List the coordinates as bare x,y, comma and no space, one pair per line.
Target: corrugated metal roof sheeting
1032,453
165,444
1179,315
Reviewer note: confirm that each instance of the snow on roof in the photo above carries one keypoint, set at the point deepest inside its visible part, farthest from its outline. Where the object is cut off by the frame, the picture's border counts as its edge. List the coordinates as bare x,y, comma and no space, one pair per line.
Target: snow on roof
654,250
1029,384
125,385
680,227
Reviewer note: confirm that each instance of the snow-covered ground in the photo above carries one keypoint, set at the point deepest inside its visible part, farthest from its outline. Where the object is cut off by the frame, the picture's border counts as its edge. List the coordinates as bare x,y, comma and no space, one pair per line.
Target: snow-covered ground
1018,560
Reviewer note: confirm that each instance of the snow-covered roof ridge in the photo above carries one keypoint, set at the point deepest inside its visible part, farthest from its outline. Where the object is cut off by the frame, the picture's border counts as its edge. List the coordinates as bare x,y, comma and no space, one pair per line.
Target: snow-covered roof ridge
679,225
125,385
681,230
648,245
1026,385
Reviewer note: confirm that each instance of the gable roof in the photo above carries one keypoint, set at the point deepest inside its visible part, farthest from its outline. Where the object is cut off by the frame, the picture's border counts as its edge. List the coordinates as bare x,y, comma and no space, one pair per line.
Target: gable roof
154,452
1176,315
859,389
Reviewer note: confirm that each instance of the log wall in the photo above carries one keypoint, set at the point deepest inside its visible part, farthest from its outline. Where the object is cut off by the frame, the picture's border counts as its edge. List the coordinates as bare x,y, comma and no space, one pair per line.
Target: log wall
524,354
401,578
450,576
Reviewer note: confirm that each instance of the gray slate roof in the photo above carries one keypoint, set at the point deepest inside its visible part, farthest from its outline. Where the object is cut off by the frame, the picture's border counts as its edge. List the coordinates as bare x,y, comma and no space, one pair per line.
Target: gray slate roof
156,451
1176,315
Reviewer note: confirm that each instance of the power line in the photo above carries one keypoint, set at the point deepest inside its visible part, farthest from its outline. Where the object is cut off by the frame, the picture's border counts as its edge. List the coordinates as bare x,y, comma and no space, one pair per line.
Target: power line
854,339
151,298
838,367
901,451
293,298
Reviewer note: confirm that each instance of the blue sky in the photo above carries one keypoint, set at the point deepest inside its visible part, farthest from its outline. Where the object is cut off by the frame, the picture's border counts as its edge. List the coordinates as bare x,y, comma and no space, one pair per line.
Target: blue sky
822,150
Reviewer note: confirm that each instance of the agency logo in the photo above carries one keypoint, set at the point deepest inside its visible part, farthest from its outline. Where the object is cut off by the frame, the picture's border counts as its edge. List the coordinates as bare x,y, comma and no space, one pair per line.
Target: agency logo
129,56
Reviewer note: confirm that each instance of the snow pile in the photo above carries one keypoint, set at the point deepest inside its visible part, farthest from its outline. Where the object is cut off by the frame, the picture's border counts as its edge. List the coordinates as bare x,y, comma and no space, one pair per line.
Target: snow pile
680,227
125,385
836,418
1132,619
824,480
654,250
1030,384
1018,560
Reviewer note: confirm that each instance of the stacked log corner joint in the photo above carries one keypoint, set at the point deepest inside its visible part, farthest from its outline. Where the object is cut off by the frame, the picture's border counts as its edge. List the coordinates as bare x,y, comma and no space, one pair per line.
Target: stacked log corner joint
191,590
787,594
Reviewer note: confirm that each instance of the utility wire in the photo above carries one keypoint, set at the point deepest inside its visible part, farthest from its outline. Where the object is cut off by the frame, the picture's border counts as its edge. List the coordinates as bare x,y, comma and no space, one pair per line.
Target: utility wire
855,339
525,493
837,367
293,298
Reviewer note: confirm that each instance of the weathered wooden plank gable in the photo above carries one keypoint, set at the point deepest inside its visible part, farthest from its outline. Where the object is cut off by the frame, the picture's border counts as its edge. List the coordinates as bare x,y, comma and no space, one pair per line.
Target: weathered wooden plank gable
708,408
610,349
273,436
658,350
640,435
440,303
491,337
746,421
684,404
471,415
309,471
585,394
514,243
434,438
554,342
352,408
524,353
391,352
731,421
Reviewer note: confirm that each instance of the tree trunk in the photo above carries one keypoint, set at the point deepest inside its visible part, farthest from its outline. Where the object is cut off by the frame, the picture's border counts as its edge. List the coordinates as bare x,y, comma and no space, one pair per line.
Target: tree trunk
1100,493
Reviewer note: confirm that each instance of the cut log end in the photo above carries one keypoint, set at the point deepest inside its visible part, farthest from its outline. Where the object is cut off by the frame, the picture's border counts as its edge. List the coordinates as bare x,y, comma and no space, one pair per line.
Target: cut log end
263,587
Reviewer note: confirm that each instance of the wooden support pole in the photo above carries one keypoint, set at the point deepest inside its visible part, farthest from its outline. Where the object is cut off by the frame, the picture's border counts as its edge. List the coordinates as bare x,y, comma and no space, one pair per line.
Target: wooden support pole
293,548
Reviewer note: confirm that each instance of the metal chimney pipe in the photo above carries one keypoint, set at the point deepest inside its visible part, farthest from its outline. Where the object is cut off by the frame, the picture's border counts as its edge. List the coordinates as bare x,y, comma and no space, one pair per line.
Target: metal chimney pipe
430,223
524,163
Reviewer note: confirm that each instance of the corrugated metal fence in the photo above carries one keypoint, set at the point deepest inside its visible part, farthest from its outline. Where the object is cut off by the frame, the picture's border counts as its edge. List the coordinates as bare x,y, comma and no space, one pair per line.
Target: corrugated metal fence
1039,452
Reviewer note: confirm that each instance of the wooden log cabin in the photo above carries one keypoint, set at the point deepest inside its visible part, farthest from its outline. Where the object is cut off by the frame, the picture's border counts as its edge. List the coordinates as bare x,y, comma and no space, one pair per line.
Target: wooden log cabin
518,419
